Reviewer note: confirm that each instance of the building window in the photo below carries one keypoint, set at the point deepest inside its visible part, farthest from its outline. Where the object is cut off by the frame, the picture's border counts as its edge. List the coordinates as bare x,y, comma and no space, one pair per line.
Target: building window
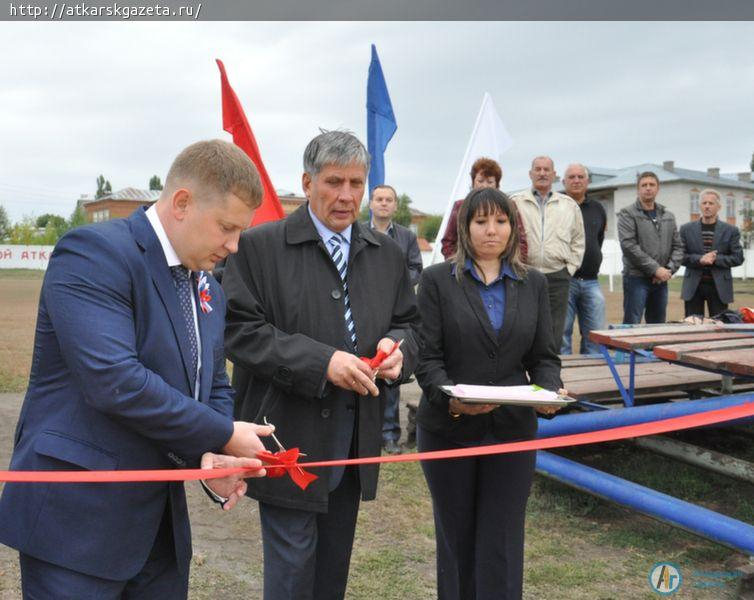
694,210
730,209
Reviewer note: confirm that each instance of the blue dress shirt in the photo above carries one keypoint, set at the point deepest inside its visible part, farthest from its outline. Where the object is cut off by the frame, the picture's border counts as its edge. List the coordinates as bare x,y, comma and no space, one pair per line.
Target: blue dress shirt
493,294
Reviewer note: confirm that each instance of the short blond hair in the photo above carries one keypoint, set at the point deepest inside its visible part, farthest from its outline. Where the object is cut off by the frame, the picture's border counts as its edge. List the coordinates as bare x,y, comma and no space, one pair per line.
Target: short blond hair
218,167
711,192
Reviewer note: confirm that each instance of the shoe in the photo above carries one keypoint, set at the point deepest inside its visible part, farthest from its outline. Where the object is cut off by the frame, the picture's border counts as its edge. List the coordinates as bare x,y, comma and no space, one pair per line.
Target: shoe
391,447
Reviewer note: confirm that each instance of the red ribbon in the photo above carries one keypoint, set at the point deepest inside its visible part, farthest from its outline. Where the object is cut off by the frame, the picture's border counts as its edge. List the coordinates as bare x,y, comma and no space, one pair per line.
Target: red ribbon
285,461
380,357
289,464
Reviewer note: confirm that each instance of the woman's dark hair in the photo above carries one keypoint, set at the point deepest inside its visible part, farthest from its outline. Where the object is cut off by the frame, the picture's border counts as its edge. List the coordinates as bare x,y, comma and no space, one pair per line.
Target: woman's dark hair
483,202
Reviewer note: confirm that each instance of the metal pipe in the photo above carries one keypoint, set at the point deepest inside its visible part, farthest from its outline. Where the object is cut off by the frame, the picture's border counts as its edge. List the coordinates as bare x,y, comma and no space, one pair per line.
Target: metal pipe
699,457
606,419
697,520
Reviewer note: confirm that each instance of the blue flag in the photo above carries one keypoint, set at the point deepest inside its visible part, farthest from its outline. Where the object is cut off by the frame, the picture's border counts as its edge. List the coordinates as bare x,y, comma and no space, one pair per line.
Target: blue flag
381,123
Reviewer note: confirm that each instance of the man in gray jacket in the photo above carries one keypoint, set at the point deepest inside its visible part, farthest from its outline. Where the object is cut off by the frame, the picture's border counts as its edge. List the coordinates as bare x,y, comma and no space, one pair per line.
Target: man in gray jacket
652,252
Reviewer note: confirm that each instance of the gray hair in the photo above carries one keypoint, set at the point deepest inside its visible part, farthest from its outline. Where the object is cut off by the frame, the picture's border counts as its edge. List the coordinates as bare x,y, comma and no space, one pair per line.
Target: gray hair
543,157
334,148
711,192
578,166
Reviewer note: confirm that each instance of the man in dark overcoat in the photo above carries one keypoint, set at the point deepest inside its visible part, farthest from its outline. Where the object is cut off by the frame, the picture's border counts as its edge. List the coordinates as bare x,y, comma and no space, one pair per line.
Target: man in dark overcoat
308,296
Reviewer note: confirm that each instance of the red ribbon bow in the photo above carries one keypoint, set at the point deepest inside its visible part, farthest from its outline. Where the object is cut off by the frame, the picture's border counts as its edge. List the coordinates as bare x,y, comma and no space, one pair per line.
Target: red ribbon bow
278,463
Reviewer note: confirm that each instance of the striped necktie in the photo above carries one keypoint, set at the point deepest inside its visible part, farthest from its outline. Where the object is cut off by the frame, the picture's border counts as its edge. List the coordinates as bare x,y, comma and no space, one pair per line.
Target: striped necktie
341,262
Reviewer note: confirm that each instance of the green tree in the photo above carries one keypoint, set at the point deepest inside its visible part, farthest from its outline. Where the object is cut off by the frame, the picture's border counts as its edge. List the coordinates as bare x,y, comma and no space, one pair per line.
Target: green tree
402,216
430,227
23,233
751,164
53,223
26,232
103,187
4,223
364,214
155,185
78,217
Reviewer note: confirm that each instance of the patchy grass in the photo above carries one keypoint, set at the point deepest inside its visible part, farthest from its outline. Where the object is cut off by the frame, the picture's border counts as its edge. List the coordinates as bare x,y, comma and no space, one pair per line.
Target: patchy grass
17,320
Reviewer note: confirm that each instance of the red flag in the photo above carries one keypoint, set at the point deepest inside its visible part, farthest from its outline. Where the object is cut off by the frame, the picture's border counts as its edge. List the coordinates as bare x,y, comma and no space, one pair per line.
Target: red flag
236,124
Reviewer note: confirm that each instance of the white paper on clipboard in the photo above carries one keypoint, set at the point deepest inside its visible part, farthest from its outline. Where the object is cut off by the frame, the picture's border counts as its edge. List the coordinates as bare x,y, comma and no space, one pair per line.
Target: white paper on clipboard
520,395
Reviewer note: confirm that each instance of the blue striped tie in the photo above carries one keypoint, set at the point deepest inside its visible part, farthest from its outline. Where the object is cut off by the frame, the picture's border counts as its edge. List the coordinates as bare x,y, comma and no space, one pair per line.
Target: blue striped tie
341,262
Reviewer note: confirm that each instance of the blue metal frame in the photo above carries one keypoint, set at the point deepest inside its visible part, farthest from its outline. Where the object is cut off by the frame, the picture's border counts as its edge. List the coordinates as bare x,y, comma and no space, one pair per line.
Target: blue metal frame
695,519
627,395
606,419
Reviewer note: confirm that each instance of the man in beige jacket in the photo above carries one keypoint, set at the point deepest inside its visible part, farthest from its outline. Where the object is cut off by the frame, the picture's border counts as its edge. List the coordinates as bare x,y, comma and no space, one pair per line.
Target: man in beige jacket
555,236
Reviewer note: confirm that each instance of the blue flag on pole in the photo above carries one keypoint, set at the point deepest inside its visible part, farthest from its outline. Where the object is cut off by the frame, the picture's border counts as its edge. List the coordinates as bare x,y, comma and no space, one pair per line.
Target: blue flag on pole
381,123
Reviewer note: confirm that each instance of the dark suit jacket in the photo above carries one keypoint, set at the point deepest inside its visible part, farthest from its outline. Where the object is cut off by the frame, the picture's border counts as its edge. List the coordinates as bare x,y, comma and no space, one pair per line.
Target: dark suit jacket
110,389
460,346
727,242
409,245
285,321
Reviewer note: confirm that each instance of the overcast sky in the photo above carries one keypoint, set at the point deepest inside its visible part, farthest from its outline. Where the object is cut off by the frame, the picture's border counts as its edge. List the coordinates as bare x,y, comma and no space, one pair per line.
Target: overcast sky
121,99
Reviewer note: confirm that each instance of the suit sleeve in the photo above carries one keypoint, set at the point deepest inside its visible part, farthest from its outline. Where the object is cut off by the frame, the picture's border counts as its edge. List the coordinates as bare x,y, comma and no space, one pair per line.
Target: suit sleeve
735,256
404,325
293,362
431,372
91,309
414,259
690,259
541,361
629,243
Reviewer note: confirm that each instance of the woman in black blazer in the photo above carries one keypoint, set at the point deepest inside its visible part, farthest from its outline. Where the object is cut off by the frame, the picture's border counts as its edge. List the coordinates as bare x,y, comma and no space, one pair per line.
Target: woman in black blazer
485,321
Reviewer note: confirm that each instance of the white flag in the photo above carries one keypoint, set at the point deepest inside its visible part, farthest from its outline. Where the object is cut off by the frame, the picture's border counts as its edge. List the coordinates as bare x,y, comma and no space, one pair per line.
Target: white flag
491,139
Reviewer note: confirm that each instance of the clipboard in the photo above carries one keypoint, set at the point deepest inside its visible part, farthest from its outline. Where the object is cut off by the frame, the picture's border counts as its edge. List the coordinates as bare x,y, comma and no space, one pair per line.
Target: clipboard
516,395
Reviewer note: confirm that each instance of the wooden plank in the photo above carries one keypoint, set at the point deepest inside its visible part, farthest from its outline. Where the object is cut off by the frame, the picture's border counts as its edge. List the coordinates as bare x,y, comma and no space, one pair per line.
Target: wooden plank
603,336
603,372
672,351
584,362
611,334
644,384
737,362
647,342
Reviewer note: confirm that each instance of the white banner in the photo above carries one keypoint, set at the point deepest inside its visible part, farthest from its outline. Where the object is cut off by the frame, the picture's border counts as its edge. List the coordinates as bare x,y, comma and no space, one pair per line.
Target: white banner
489,138
25,257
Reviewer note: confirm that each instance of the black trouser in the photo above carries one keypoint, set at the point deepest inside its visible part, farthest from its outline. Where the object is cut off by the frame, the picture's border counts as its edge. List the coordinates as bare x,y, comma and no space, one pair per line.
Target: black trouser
307,554
705,292
558,288
479,505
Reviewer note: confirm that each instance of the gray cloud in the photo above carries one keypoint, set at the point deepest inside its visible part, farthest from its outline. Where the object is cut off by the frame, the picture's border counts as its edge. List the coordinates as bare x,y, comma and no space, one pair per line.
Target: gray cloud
79,99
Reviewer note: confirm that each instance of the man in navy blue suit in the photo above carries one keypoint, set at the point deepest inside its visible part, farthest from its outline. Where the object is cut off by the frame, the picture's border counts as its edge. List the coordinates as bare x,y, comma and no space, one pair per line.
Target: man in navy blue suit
129,373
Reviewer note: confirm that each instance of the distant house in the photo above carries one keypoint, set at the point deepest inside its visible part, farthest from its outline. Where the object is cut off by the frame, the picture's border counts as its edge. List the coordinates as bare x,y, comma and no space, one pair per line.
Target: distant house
679,191
119,204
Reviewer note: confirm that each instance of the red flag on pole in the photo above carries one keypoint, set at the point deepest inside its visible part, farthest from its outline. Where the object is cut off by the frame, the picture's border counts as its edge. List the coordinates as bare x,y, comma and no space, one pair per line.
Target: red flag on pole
236,124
